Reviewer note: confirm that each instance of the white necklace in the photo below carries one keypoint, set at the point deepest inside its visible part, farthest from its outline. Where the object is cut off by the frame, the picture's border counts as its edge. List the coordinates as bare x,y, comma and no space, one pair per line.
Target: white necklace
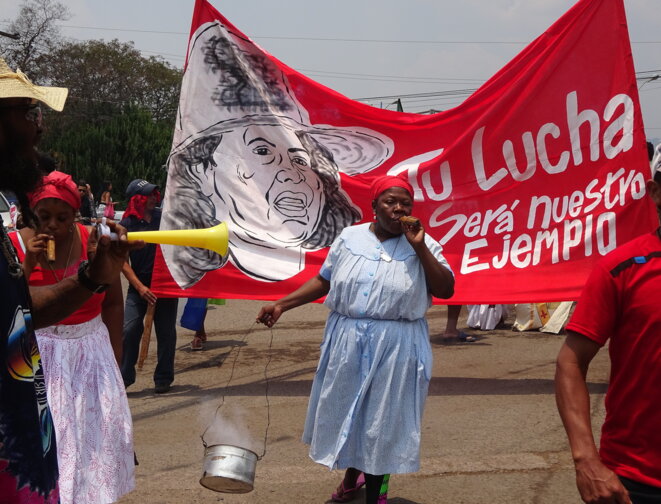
387,257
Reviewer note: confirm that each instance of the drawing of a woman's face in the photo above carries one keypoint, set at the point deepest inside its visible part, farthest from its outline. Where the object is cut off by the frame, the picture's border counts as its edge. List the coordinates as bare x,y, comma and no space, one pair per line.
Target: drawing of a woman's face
246,152
270,191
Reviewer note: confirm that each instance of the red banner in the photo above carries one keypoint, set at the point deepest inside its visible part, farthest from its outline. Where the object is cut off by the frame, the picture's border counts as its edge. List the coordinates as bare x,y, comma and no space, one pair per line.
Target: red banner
529,181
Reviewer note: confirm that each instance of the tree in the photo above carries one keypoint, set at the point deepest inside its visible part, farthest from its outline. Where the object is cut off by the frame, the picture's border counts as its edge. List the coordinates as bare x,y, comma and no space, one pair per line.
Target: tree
119,117
103,77
126,146
118,121
38,35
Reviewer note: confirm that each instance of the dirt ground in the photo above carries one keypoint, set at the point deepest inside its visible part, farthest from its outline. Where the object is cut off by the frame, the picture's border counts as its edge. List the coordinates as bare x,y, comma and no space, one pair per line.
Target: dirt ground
491,432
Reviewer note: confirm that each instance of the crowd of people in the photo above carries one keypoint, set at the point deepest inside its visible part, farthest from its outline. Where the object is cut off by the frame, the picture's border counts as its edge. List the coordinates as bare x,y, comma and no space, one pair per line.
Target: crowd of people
69,343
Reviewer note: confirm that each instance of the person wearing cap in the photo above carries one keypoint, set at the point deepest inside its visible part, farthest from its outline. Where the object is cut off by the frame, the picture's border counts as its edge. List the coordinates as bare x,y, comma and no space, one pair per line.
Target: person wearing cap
80,354
371,383
28,455
618,306
142,215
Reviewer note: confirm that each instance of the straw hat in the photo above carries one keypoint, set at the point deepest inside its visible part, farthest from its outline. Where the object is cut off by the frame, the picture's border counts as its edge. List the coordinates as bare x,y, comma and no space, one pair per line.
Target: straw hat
17,85
231,83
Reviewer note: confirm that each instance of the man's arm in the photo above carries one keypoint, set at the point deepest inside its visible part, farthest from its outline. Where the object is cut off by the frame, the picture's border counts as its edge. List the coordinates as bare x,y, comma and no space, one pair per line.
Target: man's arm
144,291
52,303
596,483
112,314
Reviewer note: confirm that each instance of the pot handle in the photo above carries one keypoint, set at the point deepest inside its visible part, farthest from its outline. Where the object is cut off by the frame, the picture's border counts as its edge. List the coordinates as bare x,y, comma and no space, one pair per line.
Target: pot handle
266,392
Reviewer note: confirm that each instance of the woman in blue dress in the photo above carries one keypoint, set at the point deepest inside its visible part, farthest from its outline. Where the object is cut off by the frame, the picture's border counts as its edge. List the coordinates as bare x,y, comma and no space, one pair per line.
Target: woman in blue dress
371,383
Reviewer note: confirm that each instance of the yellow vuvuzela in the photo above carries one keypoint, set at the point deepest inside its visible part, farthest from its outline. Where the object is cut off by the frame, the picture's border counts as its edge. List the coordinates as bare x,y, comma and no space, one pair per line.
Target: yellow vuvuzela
214,238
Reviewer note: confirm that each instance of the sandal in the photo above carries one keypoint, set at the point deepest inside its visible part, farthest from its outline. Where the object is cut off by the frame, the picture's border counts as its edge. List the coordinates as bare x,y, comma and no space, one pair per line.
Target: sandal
348,494
466,338
196,344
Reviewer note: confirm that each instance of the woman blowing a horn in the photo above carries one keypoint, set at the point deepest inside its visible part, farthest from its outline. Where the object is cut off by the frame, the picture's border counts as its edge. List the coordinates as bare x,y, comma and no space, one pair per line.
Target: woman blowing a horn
371,382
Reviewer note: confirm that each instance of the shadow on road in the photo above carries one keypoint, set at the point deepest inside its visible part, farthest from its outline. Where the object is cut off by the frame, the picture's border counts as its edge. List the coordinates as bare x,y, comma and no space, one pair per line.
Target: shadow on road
439,386
286,386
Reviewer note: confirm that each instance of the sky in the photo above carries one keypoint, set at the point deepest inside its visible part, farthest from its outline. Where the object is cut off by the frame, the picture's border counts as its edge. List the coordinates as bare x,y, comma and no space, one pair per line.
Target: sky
372,50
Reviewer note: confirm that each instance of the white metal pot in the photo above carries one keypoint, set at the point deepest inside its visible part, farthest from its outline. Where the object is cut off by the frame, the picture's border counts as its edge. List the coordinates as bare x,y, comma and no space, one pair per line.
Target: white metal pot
228,469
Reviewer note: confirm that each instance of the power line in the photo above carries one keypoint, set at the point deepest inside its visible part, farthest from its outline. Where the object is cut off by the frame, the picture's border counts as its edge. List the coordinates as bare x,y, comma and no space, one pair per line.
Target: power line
451,92
158,53
411,98
366,78
437,79
335,39
320,39
336,74
129,30
651,88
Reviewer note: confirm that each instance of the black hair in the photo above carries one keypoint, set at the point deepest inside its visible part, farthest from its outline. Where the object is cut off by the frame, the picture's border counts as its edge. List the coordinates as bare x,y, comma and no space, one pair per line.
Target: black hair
46,163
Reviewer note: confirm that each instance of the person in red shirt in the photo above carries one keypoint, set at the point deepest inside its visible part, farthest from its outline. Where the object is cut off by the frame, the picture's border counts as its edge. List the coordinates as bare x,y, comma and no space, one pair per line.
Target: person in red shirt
619,304
80,354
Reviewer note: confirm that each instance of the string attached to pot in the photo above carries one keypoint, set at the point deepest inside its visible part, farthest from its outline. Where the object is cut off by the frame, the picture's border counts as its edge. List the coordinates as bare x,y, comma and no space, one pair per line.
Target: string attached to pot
229,380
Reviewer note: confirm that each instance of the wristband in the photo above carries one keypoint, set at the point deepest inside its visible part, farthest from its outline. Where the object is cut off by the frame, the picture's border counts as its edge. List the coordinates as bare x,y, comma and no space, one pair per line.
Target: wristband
87,282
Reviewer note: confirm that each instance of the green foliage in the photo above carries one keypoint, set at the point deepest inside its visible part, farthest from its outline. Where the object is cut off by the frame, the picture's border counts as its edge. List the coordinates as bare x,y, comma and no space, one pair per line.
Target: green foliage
119,117
125,146
103,77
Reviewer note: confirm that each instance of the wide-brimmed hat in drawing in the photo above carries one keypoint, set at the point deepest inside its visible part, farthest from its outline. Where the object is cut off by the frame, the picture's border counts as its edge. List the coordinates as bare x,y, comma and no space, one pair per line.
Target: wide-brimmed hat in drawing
231,83
17,85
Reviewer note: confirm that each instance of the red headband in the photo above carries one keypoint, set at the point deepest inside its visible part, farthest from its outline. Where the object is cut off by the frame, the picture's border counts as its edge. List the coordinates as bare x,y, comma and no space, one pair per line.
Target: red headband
56,185
386,182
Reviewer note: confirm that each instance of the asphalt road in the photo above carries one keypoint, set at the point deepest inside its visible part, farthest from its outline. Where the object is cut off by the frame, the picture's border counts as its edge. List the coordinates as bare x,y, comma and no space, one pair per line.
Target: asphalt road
491,432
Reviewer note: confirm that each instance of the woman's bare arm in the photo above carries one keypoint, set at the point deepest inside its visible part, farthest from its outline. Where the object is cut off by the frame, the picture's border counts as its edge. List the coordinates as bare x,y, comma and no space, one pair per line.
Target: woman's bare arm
52,303
311,290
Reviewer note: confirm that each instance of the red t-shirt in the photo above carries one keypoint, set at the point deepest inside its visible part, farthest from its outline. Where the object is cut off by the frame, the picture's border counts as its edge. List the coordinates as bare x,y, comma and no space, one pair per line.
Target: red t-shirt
41,276
620,302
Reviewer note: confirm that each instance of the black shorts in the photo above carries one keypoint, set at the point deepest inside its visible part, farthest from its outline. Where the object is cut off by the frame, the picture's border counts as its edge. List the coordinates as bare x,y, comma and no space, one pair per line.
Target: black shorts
640,493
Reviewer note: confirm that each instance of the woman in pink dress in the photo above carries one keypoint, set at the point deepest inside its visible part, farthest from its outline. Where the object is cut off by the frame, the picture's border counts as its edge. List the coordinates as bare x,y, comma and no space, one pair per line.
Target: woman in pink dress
80,355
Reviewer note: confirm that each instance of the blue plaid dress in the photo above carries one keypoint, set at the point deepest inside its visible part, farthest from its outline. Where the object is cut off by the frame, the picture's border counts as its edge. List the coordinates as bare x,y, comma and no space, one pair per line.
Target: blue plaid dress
371,383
